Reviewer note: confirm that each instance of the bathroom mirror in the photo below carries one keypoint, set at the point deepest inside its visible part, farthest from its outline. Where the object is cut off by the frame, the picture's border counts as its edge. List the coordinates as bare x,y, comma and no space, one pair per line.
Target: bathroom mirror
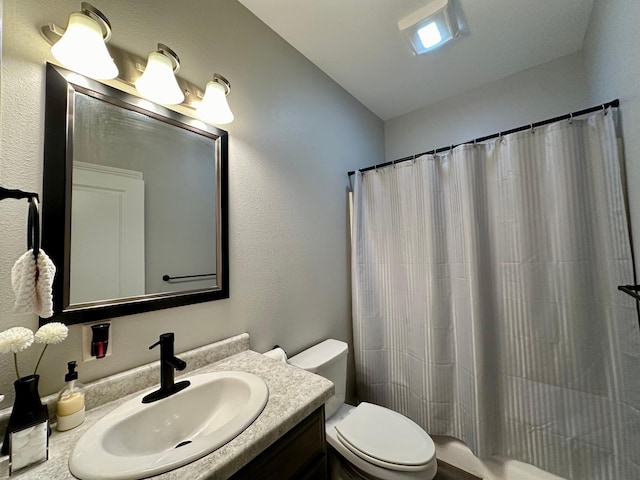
134,211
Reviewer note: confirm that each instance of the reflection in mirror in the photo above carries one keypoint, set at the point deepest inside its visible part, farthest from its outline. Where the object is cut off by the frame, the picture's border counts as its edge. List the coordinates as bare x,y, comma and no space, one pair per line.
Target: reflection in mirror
134,203
150,212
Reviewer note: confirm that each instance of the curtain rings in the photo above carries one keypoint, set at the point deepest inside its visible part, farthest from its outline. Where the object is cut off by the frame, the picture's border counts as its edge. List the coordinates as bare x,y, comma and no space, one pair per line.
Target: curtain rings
571,119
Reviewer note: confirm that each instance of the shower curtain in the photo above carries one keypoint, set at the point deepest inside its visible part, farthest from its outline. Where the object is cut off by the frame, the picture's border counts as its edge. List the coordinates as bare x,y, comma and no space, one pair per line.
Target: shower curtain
485,304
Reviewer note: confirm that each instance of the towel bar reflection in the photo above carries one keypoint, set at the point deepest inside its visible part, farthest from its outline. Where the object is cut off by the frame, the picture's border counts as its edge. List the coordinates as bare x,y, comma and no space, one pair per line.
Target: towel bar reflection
168,278
630,290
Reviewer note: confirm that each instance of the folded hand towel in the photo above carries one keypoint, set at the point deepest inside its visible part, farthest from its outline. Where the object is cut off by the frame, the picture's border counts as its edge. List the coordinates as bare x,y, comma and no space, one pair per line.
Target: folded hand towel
32,284
23,281
44,286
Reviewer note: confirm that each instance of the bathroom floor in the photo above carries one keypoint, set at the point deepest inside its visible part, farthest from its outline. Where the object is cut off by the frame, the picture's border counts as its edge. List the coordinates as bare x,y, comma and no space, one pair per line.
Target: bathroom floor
449,472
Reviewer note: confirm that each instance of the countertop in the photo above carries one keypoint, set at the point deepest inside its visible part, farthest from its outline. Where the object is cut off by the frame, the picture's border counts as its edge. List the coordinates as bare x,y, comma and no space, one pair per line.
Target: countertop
293,394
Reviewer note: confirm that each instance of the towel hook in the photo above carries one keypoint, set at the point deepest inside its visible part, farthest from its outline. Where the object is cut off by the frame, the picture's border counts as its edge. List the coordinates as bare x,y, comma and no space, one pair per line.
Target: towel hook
15,193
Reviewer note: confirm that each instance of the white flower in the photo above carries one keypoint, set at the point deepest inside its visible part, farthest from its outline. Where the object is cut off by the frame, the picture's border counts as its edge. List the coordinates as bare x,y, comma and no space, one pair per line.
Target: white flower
15,339
52,333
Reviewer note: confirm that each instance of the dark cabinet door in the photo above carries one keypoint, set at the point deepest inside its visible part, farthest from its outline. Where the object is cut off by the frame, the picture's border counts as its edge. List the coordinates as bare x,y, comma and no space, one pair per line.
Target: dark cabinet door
300,454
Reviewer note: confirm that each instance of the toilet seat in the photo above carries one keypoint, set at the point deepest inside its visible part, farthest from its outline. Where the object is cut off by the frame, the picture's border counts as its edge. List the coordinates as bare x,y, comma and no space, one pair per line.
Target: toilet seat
385,438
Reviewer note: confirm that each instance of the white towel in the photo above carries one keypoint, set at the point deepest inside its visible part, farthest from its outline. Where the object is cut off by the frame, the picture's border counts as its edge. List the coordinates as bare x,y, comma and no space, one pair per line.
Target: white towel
33,284
23,281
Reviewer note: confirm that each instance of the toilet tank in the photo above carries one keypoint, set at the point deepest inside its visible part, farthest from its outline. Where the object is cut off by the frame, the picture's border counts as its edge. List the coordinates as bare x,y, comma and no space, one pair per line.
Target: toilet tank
328,359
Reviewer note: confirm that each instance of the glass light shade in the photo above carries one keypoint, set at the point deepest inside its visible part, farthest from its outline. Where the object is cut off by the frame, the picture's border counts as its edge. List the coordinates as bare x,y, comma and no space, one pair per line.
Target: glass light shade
214,107
158,82
82,49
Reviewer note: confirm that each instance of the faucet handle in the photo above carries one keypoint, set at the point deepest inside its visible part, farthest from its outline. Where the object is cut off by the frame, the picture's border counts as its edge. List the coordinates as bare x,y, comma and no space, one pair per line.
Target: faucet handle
165,337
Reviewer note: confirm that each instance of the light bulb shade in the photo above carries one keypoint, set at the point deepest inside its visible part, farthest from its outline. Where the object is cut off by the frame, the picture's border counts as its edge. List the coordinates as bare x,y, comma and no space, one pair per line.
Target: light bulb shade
158,82
82,49
214,107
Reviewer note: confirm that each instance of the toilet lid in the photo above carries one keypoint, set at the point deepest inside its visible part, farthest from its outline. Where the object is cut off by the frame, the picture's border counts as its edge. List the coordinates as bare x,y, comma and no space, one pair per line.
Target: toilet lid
385,438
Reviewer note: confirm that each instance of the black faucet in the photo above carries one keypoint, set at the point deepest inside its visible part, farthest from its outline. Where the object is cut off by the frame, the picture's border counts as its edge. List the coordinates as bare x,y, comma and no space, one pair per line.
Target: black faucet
168,363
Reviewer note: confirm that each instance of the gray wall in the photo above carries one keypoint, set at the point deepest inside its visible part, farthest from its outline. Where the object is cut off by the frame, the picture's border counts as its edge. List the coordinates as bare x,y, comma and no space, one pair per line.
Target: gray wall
612,59
295,136
542,92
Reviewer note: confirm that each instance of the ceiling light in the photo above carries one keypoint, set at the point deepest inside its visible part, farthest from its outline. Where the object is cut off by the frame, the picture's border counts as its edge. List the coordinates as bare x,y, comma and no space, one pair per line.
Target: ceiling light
429,35
430,27
214,107
82,48
158,82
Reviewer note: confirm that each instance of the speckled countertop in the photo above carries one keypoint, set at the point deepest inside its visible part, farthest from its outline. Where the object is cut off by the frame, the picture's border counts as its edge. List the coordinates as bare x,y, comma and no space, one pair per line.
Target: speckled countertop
293,394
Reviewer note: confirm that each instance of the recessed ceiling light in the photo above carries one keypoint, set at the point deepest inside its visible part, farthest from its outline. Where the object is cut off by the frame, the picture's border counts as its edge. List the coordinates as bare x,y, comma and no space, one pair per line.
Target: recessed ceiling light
429,35
430,27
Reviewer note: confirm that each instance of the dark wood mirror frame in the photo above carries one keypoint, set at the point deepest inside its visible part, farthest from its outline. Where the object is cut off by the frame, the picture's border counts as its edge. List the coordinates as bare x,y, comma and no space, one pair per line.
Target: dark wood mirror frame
61,85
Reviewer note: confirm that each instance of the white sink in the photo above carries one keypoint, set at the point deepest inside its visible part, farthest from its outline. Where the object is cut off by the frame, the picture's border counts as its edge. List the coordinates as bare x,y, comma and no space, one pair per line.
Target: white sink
139,440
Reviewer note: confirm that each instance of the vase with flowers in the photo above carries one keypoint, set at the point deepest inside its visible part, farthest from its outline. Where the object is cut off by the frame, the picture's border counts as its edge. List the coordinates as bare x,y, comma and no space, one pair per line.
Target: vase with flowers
27,406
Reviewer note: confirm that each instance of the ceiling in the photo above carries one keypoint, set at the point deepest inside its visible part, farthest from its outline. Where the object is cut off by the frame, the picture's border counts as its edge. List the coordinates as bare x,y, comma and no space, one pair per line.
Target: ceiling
358,44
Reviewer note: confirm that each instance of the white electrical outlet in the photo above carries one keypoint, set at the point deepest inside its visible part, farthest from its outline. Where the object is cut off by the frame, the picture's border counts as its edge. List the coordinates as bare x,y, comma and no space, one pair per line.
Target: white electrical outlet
87,335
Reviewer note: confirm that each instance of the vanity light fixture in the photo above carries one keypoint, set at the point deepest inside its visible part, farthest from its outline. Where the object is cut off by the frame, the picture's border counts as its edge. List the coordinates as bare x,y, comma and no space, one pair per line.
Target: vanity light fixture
83,48
158,82
430,27
214,107
85,38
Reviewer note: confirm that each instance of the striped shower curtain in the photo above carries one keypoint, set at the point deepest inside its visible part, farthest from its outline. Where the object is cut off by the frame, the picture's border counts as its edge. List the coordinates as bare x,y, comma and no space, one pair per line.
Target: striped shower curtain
485,303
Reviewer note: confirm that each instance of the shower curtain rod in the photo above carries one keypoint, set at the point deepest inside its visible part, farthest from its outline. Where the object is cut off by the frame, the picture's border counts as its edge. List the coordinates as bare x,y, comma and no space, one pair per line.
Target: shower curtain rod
615,103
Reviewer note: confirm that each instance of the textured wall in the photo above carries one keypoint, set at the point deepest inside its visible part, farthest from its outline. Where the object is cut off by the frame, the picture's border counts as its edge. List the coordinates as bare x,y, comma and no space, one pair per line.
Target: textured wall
542,92
295,136
612,59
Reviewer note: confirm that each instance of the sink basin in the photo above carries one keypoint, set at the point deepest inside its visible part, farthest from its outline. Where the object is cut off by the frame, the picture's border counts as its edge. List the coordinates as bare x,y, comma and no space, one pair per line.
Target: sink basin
139,440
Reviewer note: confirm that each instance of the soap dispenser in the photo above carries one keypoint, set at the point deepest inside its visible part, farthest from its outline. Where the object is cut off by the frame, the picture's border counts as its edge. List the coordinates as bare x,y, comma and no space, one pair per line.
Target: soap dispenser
70,412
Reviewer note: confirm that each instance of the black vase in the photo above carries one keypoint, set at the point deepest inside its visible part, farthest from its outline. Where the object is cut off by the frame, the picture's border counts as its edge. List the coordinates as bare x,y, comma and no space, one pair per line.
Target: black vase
27,410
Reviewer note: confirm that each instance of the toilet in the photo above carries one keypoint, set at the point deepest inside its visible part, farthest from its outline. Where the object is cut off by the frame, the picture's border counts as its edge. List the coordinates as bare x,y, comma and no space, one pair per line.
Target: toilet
374,443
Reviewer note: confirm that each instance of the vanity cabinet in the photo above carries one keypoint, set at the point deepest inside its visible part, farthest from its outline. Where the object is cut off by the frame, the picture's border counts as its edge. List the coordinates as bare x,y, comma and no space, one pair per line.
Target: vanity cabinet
300,454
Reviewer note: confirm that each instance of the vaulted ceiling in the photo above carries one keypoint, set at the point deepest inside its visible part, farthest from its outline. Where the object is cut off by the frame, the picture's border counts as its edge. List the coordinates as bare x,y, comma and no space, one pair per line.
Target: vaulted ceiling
358,44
